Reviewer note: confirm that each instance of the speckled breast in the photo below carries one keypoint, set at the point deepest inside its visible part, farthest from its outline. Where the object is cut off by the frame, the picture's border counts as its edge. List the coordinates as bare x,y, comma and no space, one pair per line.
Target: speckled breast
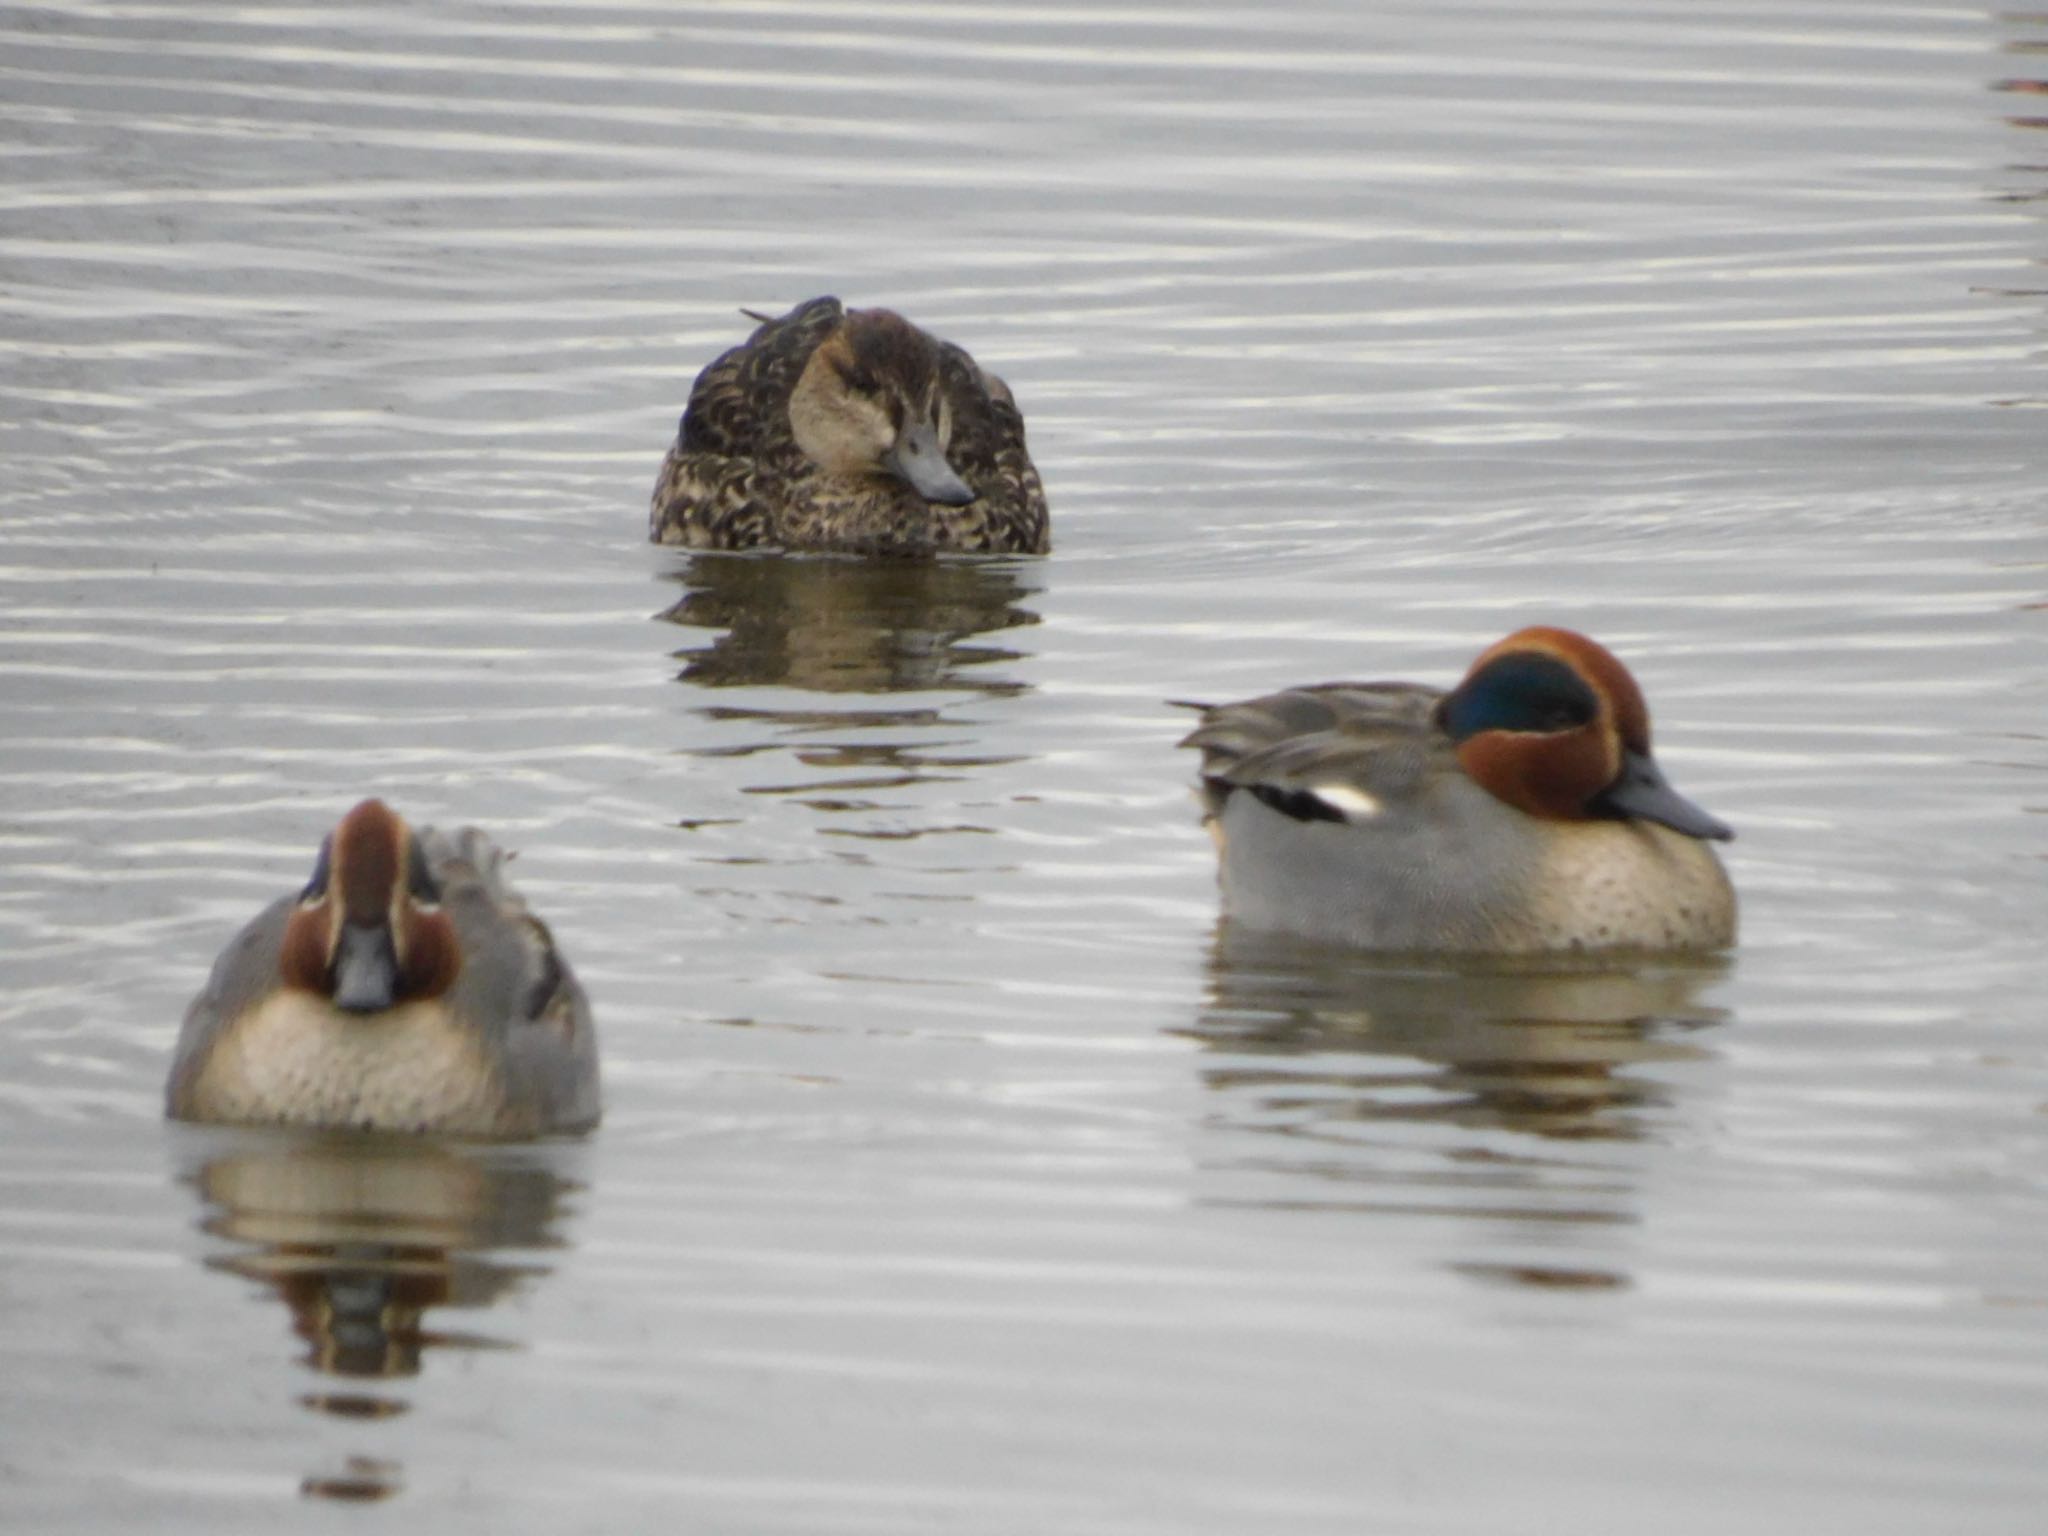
297,1060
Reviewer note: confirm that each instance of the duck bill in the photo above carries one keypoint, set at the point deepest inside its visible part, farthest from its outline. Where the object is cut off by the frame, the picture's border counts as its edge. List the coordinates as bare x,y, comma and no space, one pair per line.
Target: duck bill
365,969
918,459
1644,794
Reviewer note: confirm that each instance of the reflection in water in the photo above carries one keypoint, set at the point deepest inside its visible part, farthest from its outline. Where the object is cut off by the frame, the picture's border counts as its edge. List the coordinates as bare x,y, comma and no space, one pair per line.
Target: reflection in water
2027,112
848,626
1449,1091
360,1237
2027,47
838,626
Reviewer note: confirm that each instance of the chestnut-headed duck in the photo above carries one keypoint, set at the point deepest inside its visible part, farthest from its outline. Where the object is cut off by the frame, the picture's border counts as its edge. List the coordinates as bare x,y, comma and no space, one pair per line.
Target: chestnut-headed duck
406,988
1519,813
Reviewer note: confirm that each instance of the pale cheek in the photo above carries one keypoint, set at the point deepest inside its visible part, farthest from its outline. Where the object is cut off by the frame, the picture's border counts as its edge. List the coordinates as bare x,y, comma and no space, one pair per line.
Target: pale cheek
868,428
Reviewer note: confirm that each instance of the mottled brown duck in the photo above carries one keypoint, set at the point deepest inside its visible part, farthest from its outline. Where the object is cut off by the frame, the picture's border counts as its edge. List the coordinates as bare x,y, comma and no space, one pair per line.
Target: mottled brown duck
849,430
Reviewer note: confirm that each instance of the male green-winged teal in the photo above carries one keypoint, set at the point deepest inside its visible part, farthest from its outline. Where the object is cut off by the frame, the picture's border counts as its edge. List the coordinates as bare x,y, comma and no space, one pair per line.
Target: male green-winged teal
406,988
1521,812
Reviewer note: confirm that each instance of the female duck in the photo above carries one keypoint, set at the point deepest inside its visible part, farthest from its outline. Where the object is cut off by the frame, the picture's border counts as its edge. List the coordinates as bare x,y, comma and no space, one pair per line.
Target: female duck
1519,813
407,988
852,430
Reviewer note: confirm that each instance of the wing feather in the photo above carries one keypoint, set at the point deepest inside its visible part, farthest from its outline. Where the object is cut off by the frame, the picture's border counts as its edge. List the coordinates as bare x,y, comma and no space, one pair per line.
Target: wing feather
1332,752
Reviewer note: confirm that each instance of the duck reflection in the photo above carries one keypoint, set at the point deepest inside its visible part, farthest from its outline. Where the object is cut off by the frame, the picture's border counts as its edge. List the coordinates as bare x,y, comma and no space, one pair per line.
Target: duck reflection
2024,182
1458,1091
848,626
361,1237
837,626
2025,49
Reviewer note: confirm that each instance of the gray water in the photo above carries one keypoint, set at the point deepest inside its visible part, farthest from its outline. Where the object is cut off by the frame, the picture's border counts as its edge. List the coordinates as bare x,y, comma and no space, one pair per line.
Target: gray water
958,1174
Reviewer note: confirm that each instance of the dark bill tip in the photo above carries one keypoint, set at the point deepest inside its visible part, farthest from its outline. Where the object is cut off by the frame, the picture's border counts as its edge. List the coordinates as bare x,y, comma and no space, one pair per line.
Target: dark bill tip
1644,794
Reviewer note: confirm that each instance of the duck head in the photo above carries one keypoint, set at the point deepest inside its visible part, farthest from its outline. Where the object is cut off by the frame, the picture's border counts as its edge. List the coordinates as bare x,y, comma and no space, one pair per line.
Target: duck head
869,403
1552,723
369,932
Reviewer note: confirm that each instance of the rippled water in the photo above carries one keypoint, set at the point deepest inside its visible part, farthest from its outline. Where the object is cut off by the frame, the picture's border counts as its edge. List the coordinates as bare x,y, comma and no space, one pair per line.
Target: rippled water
958,1173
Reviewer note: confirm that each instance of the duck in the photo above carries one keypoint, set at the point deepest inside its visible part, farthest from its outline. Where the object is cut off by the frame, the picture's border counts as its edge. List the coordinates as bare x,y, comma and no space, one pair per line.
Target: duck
849,431
407,988
1519,813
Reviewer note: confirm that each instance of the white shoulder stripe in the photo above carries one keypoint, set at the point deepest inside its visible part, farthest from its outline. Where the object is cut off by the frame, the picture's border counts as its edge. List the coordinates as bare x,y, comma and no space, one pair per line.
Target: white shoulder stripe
1347,800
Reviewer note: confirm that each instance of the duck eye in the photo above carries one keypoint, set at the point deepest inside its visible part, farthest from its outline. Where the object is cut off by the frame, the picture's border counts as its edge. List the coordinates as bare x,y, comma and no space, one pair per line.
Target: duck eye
1522,692
420,883
854,375
323,867
1564,715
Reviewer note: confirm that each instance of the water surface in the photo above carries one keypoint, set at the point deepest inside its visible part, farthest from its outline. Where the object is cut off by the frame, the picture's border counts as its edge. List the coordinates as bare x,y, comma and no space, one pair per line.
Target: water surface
960,1173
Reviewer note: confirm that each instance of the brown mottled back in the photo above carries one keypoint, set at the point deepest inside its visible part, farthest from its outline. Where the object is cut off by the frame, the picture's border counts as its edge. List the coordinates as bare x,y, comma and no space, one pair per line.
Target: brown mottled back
728,412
